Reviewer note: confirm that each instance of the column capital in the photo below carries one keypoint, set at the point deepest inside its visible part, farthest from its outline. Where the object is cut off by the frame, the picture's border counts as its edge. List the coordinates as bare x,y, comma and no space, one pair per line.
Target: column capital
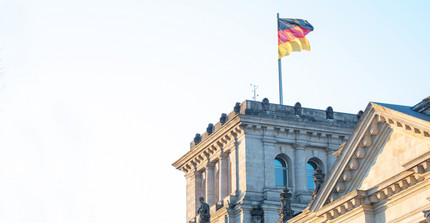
299,145
333,148
236,143
193,174
269,141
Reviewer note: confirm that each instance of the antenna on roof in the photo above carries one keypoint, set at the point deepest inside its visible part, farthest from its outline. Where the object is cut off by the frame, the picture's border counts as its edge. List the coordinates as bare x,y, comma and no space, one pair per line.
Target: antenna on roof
254,91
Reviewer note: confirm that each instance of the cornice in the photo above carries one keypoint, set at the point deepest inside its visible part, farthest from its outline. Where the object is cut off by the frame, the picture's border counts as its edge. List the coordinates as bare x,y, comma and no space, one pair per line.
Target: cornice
404,121
293,125
206,150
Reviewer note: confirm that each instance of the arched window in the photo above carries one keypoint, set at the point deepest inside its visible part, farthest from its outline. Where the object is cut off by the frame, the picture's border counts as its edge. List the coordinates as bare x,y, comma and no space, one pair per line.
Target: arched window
281,172
311,166
310,170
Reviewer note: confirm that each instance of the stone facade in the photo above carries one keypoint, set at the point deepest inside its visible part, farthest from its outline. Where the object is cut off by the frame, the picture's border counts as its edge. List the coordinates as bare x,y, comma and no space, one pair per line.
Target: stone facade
232,164
382,173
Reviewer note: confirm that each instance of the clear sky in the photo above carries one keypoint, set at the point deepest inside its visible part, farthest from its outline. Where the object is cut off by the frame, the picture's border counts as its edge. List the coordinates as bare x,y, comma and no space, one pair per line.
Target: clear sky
99,98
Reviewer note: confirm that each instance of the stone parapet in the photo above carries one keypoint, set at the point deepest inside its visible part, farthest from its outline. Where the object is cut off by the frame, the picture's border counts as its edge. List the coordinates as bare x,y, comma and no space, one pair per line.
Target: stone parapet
280,112
285,112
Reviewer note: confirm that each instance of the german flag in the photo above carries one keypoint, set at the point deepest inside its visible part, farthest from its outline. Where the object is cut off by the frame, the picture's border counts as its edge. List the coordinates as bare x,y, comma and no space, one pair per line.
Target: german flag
291,35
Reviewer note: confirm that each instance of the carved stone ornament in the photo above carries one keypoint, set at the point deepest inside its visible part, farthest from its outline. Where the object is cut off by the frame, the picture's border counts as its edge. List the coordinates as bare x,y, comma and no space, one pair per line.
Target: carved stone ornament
265,103
203,212
329,112
223,118
219,205
298,108
197,139
257,215
237,108
231,205
286,212
210,128
318,180
427,215
359,114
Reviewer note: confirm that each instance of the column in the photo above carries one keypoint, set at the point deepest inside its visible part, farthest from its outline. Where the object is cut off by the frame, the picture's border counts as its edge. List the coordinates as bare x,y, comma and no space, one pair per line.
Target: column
194,191
300,169
210,184
236,158
223,177
198,188
245,216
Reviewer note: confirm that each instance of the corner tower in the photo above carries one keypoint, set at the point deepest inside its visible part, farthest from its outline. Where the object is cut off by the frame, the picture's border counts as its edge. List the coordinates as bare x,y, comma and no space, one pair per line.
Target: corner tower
241,164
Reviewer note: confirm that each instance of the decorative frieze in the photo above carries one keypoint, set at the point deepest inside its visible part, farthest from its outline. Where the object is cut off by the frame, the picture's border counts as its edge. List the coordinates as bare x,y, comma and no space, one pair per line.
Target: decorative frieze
346,176
360,153
401,124
374,129
367,140
353,164
340,187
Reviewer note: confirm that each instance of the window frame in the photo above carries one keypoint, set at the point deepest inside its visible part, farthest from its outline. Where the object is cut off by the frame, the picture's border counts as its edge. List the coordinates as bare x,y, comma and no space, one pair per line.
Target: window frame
284,171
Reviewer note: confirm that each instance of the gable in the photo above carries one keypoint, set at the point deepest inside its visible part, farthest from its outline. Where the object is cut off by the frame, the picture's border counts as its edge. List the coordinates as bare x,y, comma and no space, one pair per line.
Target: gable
383,142
400,148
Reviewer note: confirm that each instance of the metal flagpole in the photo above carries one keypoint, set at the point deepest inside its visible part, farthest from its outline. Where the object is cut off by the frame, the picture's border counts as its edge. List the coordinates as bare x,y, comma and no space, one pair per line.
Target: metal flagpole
280,70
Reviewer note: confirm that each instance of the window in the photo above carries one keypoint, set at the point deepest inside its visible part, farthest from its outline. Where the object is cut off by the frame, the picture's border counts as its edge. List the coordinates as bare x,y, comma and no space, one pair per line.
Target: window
311,166
310,172
281,172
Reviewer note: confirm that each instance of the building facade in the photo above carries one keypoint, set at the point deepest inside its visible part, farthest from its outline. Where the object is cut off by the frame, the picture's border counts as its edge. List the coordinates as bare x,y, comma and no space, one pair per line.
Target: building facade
241,164
382,174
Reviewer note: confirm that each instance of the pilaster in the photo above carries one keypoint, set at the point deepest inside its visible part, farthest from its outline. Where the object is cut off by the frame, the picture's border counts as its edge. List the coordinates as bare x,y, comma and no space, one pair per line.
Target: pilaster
301,191
210,198
236,160
194,182
223,177
300,168
269,170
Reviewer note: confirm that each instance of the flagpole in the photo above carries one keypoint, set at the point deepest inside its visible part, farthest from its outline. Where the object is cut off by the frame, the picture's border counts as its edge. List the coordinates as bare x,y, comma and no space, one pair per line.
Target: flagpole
280,70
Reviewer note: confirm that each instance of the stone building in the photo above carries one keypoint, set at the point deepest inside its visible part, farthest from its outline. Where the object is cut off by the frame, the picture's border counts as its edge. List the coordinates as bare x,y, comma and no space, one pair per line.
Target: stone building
241,164
382,173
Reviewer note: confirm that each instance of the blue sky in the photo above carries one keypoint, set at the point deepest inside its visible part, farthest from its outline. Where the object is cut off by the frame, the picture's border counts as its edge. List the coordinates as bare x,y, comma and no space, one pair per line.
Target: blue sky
98,98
